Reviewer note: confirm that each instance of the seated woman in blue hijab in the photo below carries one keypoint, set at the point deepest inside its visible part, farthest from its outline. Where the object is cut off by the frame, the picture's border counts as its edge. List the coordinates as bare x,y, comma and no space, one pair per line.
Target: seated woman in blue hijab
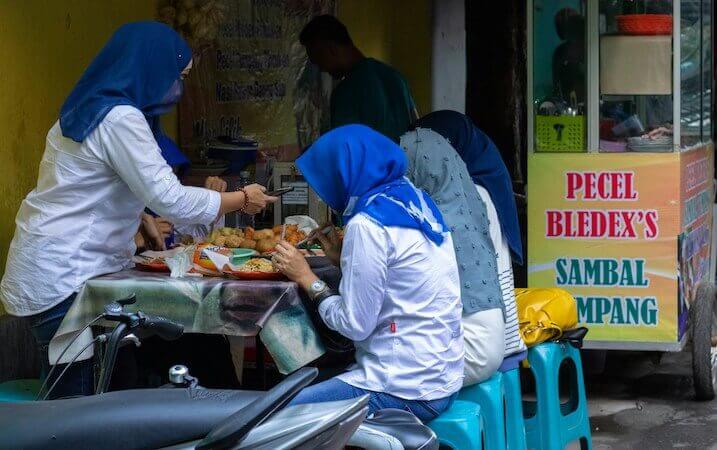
399,299
100,169
448,154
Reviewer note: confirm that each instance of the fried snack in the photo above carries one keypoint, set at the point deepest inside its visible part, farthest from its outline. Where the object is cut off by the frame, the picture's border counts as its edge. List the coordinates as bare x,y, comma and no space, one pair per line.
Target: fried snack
258,265
277,229
266,245
247,243
294,238
226,231
234,241
221,241
212,236
249,233
263,234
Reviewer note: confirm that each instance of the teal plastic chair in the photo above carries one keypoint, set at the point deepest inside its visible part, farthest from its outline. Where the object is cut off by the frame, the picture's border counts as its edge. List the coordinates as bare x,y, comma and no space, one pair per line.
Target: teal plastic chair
514,424
19,390
489,395
459,427
550,425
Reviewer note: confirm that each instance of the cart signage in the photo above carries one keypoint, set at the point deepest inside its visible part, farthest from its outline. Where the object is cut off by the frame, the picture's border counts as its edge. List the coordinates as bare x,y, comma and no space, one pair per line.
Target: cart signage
605,227
627,234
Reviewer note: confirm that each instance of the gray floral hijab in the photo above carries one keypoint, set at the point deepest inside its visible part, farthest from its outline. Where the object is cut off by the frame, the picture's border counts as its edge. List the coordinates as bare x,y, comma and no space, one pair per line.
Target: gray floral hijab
434,166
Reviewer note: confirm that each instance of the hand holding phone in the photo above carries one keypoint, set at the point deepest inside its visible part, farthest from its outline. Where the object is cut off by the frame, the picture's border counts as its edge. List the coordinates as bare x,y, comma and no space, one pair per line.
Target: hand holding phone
280,192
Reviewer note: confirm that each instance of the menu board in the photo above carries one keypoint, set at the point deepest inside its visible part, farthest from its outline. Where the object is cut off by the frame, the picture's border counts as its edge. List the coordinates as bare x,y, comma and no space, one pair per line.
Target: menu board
255,81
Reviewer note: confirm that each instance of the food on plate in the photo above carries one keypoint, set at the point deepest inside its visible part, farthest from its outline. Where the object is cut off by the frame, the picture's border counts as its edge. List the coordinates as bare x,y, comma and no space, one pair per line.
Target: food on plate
234,241
186,239
258,265
249,233
266,245
263,240
248,243
263,234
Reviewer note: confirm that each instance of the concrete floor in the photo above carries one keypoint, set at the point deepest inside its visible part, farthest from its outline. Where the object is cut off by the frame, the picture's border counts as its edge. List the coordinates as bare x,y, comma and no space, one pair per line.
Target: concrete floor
640,403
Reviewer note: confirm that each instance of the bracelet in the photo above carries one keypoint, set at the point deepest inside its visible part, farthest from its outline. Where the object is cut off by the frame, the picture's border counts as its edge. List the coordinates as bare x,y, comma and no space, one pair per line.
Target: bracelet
246,200
323,295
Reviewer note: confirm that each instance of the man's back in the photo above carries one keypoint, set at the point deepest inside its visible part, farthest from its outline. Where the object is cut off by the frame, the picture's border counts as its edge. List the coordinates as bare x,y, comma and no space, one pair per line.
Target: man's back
376,95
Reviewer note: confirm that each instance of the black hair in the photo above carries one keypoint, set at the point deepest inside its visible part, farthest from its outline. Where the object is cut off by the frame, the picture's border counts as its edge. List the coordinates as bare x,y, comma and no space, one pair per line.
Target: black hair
325,28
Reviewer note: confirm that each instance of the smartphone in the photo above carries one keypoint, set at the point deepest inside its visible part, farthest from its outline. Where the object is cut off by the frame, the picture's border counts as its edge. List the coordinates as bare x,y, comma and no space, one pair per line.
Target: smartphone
280,192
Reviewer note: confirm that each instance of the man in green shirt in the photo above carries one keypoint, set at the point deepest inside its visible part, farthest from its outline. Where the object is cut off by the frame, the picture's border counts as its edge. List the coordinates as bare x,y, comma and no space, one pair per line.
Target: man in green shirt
369,92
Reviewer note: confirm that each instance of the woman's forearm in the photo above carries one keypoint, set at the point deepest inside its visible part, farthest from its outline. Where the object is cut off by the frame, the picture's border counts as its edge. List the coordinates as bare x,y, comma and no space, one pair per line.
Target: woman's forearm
231,201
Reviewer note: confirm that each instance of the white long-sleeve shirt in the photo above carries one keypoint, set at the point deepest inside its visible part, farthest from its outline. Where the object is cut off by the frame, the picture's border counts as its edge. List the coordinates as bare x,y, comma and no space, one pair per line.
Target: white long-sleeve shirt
513,342
400,303
80,220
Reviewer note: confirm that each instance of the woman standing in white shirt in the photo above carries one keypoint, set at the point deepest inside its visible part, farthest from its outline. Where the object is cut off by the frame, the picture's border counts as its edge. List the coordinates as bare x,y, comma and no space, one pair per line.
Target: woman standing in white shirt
399,299
100,169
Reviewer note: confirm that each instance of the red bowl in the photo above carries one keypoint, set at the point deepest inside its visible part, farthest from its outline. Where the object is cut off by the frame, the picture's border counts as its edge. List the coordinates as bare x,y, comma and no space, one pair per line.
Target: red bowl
645,24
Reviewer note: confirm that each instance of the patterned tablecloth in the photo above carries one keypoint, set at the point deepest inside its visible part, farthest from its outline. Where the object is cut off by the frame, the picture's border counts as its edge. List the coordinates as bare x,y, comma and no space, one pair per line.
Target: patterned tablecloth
271,309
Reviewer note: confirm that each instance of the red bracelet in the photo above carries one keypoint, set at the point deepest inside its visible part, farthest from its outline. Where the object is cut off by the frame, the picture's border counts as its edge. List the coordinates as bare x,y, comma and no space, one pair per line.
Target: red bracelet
246,200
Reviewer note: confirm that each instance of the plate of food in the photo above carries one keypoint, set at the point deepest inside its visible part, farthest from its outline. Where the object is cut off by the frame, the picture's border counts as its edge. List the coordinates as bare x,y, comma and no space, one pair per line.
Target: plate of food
263,241
257,269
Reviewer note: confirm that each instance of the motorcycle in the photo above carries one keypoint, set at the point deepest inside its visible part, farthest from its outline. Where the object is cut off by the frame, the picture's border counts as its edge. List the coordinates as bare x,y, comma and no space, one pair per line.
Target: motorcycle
183,415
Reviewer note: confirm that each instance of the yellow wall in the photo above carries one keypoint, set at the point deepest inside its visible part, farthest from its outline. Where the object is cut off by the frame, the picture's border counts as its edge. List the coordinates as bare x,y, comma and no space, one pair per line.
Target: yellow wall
397,32
45,46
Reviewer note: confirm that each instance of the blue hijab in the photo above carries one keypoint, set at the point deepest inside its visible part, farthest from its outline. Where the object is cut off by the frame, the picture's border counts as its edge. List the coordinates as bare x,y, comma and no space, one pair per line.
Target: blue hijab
355,169
139,66
172,154
485,166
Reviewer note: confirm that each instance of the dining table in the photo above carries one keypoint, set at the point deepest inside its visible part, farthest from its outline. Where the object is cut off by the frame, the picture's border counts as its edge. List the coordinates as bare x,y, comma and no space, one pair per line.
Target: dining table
273,310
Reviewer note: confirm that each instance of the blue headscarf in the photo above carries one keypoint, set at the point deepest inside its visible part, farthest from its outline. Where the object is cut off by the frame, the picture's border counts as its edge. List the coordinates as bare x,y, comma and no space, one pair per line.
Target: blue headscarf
485,166
139,66
172,154
355,169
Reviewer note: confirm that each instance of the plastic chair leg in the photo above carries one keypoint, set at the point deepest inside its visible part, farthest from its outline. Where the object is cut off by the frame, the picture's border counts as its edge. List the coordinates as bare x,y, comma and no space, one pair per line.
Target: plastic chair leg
514,424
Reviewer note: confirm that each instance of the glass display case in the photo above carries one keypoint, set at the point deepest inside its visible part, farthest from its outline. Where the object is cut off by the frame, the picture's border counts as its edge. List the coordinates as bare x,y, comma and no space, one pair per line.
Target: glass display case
619,75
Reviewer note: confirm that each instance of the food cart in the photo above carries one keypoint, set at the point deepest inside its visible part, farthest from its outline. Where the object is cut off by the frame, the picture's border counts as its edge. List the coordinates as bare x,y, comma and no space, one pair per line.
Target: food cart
620,171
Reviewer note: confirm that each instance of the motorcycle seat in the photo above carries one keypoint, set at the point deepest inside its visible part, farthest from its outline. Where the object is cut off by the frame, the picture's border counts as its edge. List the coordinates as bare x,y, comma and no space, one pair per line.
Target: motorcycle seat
394,428
133,419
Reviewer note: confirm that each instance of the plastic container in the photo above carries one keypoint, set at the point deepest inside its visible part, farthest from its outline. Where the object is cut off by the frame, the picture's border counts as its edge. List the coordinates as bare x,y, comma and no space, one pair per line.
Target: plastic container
241,255
645,24
565,134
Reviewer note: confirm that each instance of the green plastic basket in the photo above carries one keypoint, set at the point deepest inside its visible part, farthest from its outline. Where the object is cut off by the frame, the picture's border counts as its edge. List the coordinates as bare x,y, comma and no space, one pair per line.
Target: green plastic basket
560,134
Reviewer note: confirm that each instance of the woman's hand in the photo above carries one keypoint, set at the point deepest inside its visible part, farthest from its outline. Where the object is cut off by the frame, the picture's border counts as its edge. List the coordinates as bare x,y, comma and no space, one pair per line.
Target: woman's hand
251,201
331,243
256,199
292,263
152,236
215,184
164,226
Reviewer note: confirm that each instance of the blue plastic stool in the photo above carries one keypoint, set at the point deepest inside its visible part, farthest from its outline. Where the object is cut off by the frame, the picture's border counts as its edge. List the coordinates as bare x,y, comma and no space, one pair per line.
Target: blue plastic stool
459,427
514,424
554,425
489,395
19,390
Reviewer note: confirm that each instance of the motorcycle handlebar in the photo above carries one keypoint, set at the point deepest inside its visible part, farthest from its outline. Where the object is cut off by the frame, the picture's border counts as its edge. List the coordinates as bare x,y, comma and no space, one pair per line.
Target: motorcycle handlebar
162,327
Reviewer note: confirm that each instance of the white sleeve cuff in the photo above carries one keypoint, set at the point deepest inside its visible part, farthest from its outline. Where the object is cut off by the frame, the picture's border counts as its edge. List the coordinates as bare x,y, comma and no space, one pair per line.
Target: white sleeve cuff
211,213
324,307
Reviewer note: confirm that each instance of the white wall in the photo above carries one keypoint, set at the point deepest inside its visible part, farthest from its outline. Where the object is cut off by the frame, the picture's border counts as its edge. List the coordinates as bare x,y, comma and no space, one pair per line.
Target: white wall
448,72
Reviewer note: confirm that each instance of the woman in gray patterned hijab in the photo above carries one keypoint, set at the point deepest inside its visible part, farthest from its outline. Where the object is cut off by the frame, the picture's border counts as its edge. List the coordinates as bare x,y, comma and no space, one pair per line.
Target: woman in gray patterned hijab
436,167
